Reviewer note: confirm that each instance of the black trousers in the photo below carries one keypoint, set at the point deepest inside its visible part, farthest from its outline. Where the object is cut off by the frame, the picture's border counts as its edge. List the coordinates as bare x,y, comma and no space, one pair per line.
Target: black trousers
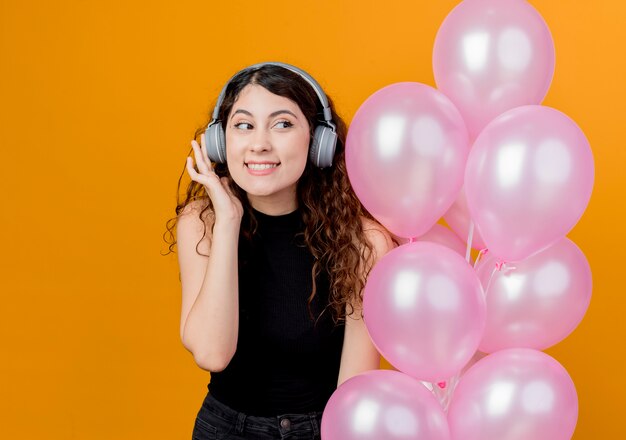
216,421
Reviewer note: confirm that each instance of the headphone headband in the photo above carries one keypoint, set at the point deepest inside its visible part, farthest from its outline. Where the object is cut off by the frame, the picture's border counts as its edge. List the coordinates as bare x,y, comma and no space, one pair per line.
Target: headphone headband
308,78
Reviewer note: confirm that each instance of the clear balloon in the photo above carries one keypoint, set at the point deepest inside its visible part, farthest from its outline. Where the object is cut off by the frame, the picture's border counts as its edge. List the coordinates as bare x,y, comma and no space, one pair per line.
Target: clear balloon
442,235
383,404
514,394
491,56
424,309
406,151
537,303
459,220
528,180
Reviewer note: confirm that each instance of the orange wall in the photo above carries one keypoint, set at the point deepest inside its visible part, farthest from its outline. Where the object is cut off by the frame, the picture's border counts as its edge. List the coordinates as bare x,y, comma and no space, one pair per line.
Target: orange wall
99,103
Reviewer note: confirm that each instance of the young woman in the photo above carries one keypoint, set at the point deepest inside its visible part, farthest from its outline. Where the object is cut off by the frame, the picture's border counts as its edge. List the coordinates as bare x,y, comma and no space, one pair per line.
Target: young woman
274,249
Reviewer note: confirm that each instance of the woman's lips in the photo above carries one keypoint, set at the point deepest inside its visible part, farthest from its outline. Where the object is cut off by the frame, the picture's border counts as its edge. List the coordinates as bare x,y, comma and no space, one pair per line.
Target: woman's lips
261,168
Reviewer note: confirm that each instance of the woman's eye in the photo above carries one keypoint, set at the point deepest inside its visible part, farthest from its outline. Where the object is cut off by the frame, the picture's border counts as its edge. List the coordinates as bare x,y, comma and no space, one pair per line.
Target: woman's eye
286,124
243,125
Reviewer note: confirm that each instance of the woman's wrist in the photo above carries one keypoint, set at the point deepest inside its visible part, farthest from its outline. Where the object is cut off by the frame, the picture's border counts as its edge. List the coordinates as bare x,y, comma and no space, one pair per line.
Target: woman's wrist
230,225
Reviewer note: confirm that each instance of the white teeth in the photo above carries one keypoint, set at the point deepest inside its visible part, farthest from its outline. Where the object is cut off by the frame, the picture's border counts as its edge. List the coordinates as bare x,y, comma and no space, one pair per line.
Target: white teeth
261,166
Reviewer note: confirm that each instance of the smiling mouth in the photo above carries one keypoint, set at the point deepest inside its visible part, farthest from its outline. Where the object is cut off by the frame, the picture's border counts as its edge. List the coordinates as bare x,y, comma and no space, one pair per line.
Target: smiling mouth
261,166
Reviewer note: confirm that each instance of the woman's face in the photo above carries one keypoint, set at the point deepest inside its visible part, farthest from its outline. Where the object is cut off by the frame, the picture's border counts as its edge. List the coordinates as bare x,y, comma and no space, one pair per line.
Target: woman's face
267,144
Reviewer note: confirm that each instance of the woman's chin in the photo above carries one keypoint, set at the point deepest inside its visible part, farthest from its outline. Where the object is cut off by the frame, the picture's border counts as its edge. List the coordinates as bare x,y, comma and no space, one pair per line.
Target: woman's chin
264,191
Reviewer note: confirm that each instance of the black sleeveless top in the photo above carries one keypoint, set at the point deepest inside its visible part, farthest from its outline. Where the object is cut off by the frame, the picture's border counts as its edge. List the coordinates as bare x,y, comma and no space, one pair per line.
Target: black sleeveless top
284,362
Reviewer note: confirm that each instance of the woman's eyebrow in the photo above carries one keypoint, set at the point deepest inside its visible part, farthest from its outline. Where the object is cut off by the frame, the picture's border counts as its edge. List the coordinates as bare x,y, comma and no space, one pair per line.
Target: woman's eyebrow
277,112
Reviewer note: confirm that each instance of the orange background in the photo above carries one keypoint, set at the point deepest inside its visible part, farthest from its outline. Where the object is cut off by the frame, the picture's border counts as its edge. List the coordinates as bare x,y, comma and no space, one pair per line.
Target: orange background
99,102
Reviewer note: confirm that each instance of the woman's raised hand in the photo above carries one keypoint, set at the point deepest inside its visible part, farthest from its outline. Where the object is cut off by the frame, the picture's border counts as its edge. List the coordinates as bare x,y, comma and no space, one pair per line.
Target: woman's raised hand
226,205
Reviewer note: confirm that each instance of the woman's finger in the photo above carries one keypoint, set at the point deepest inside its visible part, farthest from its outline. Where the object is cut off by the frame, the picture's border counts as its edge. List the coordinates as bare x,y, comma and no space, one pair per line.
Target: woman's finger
195,176
202,165
190,170
209,180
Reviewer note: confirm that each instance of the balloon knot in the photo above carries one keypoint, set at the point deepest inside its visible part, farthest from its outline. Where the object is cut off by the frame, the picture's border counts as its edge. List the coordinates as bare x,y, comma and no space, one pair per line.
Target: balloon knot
441,385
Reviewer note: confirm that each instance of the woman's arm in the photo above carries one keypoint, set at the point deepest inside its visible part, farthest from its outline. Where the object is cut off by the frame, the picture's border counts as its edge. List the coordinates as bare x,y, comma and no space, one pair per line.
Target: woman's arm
210,302
359,353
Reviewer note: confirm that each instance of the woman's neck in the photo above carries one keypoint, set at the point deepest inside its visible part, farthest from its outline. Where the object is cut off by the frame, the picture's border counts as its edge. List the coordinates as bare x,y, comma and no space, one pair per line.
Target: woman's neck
272,205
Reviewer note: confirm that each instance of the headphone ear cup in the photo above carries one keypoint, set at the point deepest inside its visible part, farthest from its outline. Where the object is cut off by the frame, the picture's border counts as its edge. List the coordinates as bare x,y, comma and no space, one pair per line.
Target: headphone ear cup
322,150
215,143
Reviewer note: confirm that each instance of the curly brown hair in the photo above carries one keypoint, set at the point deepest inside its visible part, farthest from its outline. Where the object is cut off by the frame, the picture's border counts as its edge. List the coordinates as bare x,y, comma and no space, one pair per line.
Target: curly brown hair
331,212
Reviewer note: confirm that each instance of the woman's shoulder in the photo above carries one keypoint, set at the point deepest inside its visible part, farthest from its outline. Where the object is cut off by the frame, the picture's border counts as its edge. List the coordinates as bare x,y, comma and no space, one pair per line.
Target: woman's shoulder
378,236
195,223
195,208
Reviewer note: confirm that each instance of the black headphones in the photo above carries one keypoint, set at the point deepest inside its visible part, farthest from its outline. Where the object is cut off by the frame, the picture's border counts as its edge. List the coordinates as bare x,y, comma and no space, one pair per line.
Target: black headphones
322,148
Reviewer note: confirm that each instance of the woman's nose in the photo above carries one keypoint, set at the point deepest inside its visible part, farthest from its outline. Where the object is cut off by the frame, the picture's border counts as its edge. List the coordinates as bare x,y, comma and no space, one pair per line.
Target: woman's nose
260,141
